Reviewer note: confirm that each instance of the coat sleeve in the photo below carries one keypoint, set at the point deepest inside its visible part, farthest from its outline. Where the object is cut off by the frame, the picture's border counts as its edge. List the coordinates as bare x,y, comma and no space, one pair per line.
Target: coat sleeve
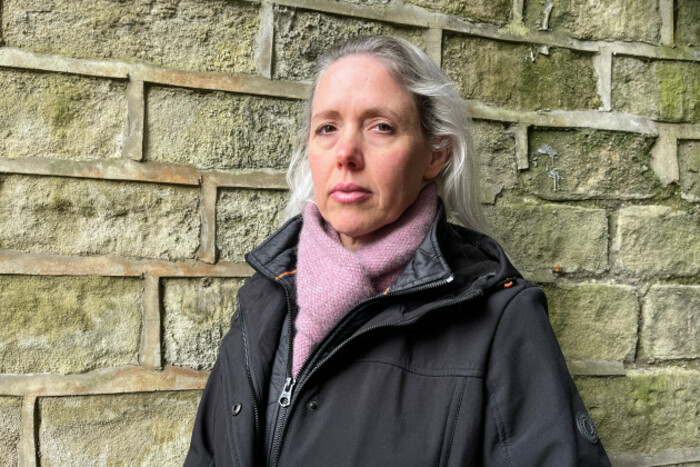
208,427
534,414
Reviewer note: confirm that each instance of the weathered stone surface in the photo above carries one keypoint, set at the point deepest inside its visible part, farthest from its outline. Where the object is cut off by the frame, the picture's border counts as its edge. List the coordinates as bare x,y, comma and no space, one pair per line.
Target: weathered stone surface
585,164
196,316
10,428
544,236
671,322
594,321
670,90
68,324
218,130
302,36
217,35
657,240
687,23
495,145
129,429
645,411
244,218
627,20
689,165
90,217
60,116
520,76
493,11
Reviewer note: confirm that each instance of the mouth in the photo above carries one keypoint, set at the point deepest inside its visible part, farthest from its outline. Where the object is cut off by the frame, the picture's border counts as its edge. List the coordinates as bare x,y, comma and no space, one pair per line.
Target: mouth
349,193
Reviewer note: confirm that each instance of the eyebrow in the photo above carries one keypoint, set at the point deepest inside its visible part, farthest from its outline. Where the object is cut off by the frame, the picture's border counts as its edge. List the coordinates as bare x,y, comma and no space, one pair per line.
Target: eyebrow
371,112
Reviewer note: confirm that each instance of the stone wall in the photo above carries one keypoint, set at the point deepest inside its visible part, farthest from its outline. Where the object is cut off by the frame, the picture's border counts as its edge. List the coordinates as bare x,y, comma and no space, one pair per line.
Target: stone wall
142,151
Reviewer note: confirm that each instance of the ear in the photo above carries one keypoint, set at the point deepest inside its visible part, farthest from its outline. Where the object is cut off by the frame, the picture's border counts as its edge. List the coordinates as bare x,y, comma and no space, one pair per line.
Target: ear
439,153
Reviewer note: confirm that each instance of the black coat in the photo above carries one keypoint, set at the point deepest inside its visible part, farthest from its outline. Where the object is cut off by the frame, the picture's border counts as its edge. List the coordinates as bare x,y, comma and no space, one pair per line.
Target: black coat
457,365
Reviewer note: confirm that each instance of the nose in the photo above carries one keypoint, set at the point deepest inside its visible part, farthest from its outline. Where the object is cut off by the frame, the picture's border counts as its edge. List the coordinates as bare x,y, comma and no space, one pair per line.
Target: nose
349,152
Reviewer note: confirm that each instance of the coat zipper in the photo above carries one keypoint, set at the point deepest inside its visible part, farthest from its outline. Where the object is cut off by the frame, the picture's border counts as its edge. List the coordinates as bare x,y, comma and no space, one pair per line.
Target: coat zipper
288,392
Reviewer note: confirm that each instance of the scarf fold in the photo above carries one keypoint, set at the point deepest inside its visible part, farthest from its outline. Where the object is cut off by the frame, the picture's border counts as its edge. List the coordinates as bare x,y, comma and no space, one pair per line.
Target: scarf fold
331,279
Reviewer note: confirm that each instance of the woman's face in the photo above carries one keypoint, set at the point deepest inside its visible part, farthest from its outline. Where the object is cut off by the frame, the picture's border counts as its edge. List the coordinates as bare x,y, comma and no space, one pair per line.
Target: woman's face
367,153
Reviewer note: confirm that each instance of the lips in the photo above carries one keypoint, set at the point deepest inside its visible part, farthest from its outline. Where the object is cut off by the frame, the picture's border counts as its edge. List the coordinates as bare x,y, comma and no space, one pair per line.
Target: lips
349,193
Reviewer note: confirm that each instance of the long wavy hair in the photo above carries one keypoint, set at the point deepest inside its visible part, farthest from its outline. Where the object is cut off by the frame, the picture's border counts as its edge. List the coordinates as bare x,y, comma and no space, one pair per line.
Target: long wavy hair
442,116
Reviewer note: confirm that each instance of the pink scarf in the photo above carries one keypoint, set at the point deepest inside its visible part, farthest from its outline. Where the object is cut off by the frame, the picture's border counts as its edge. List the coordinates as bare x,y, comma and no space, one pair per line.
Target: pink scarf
331,279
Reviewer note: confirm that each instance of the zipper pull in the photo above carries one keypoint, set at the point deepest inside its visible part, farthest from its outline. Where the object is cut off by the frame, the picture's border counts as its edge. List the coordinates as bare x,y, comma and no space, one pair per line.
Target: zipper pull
286,396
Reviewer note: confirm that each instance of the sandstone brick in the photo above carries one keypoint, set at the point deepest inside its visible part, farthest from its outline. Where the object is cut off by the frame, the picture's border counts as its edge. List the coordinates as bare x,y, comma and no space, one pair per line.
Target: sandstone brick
657,240
594,321
645,411
687,26
68,324
495,145
90,217
302,36
497,11
196,316
627,20
216,35
60,116
660,89
218,130
542,236
689,164
129,429
670,327
519,76
244,218
586,164
10,429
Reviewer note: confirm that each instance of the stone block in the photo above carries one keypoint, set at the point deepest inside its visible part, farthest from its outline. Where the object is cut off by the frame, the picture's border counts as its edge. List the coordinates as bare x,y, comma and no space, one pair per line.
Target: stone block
91,217
671,323
218,130
687,23
196,316
244,218
590,164
689,165
53,115
594,321
660,89
495,145
62,324
521,76
625,20
124,429
10,429
646,411
658,241
492,11
301,37
544,236
217,35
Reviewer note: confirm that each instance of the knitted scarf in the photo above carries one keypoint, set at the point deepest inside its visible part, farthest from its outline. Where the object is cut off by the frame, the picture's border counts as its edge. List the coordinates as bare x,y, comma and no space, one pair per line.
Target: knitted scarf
331,279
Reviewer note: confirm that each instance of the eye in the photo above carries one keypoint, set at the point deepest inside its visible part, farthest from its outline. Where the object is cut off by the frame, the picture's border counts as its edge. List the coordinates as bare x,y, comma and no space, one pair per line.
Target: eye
384,128
325,129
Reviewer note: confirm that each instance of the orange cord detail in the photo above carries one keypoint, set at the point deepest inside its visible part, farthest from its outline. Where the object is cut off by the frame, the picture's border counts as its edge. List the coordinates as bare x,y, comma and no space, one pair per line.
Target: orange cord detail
386,291
284,274
508,284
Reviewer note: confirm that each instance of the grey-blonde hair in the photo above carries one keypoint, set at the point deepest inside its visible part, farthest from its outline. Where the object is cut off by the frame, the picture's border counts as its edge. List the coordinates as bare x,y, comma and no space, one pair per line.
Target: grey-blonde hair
442,116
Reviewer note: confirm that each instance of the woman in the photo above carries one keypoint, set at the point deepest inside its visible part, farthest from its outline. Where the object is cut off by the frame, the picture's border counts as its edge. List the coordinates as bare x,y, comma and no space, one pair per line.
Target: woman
374,333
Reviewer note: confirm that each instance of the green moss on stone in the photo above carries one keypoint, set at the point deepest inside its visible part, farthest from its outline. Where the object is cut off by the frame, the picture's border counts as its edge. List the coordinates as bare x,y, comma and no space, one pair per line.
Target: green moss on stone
689,164
68,324
590,164
687,23
520,76
244,218
645,411
10,429
594,321
495,11
302,36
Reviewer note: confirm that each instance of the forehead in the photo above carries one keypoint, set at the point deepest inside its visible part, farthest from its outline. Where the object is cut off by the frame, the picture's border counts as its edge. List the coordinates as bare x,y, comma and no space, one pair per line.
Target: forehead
359,79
